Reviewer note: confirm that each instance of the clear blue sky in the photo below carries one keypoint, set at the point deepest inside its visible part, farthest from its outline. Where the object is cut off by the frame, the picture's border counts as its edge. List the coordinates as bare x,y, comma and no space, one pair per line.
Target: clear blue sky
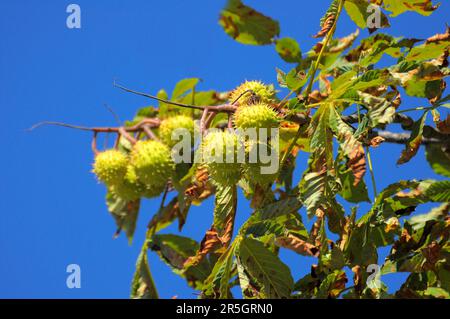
52,209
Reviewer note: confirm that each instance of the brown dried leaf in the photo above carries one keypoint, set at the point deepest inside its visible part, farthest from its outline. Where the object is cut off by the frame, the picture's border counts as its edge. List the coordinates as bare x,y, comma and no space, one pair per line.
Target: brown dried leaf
439,37
444,126
326,27
208,244
376,141
357,163
299,246
357,278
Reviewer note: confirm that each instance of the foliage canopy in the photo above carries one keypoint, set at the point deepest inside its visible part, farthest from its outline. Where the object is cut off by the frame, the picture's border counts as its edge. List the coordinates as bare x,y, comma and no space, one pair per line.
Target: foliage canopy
336,76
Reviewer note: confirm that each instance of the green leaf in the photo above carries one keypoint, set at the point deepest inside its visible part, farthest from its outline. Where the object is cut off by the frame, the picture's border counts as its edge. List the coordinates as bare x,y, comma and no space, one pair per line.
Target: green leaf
282,207
225,207
424,7
332,285
125,214
281,225
217,285
350,146
270,273
428,51
414,141
312,190
175,250
359,12
143,286
436,292
381,110
289,50
425,81
183,86
295,79
372,49
439,191
351,193
439,213
246,25
167,214
439,159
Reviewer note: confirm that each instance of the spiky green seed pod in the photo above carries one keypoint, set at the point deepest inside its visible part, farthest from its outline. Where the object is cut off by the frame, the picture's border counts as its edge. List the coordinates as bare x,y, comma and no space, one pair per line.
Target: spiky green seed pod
110,166
219,151
172,123
130,188
152,163
256,116
254,164
261,93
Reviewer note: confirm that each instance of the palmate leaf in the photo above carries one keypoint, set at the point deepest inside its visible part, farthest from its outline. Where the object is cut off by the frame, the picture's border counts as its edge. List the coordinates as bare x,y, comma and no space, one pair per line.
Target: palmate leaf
246,25
420,247
380,225
271,275
143,286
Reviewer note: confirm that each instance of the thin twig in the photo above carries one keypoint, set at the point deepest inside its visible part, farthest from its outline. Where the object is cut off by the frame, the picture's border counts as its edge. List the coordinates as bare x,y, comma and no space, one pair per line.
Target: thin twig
241,95
217,108
114,114
148,131
157,98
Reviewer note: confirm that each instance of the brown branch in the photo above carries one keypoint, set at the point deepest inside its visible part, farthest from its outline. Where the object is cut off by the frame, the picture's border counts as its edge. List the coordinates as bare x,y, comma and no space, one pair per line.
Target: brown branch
151,122
402,138
148,131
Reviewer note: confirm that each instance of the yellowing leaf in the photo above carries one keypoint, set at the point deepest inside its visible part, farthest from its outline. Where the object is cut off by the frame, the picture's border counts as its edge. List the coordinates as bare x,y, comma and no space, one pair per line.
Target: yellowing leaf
424,7
246,25
289,50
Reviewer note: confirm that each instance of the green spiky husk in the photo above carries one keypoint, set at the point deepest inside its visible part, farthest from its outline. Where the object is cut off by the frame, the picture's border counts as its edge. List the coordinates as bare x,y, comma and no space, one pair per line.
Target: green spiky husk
130,188
110,166
252,170
152,163
262,93
256,116
223,173
172,123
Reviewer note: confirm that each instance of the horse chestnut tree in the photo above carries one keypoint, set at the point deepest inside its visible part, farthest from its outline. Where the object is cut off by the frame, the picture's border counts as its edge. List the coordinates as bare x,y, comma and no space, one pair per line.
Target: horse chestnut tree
338,103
